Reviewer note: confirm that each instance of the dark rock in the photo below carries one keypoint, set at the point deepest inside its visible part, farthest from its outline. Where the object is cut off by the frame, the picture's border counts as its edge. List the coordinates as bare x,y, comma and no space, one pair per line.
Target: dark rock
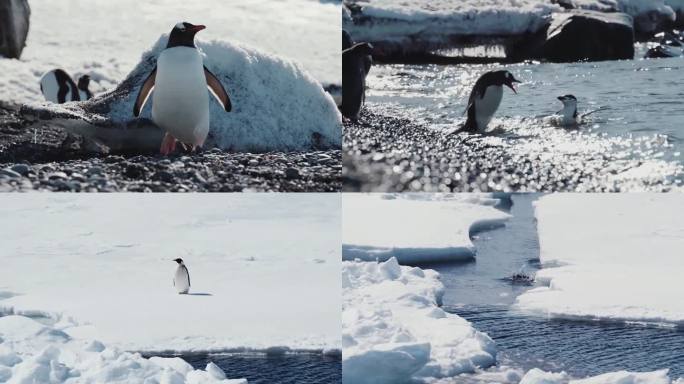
22,169
588,35
14,27
57,176
10,173
135,171
164,176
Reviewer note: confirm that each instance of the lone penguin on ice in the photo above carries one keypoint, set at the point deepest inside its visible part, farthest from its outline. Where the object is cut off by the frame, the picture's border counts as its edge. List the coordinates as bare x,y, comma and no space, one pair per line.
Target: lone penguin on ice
485,99
58,87
83,91
180,102
181,280
356,63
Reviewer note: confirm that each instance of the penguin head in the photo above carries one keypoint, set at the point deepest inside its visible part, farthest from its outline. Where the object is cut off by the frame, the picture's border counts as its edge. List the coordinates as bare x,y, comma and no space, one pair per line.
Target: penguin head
83,82
506,78
178,260
183,35
568,100
361,49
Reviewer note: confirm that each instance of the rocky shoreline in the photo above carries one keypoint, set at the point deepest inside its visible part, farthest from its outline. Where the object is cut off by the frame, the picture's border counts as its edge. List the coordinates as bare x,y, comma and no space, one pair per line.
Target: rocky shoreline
383,153
38,156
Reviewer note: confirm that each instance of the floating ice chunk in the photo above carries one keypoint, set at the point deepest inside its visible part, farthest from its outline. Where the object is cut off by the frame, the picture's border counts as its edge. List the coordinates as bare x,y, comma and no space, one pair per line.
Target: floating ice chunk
216,372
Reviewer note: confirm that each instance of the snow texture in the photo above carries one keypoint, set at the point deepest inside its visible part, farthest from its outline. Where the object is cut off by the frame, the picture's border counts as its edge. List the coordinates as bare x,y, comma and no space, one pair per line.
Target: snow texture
393,329
537,376
276,104
610,257
414,228
31,352
105,39
101,267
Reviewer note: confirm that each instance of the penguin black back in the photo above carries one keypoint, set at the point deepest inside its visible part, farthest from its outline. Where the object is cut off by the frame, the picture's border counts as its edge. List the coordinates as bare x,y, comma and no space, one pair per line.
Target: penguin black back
183,35
83,83
355,67
491,78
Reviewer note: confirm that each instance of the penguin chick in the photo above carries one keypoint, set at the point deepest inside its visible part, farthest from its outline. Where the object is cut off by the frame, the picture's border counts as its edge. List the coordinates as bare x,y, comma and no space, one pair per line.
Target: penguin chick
180,101
181,280
356,63
485,99
83,91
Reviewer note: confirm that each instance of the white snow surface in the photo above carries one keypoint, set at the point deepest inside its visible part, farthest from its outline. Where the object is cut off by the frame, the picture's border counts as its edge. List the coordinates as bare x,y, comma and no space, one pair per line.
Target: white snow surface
393,329
277,105
537,376
31,352
105,39
414,228
433,20
100,267
610,257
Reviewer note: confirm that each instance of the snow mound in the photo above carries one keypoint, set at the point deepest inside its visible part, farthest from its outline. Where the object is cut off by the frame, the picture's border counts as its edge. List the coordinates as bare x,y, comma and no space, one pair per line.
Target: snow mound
610,258
537,376
34,353
414,228
393,328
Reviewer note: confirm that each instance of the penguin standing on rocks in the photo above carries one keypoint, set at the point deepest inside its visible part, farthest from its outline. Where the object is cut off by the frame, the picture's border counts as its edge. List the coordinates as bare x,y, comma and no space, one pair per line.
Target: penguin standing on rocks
180,101
83,91
181,280
58,87
356,63
485,99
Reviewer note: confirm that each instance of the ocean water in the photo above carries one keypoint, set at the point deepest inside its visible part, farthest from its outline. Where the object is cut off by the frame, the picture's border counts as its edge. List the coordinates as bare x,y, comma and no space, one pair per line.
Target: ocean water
481,292
642,101
259,368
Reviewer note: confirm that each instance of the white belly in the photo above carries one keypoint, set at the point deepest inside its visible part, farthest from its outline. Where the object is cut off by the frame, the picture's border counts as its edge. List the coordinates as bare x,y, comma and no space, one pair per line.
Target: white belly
181,280
487,106
50,88
180,101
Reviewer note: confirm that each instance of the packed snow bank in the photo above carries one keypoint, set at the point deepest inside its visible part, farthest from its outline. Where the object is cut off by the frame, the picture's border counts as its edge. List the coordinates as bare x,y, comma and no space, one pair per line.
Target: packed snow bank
393,329
100,267
277,105
537,376
611,257
95,37
414,228
31,352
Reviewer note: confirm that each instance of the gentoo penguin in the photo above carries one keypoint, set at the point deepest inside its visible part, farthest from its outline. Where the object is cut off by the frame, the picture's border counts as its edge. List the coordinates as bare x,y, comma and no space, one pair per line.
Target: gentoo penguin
58,87
356,63
180,101
181,280
83,91
485,99
569,115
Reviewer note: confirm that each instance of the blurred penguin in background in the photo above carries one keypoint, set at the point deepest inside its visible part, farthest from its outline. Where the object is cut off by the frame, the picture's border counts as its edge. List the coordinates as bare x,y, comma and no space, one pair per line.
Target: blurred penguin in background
58,87
356,63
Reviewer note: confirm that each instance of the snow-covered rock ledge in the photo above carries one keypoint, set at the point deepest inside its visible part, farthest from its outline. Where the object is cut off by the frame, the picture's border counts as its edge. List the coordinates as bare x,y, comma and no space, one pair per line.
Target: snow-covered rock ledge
610,257
31,352
393,329
415,228
277,105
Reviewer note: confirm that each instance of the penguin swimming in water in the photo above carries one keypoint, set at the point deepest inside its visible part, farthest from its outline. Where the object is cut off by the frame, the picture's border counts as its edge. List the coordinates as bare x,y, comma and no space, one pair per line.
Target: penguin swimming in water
180,103
485,99
83,91
568,115
356,63
181,280
58,87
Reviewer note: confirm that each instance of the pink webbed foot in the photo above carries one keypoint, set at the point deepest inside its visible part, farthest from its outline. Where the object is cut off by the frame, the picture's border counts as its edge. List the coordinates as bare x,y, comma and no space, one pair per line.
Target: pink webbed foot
168,145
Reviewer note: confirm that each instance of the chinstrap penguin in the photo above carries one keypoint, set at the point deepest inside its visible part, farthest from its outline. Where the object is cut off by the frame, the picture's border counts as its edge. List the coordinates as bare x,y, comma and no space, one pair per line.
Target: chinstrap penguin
569,115
180,101
58,87
181,280
356,63
485,99
83,91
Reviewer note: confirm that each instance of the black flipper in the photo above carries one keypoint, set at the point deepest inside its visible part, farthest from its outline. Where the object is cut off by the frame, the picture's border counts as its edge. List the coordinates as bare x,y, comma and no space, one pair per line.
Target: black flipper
144,92
188,273
217,90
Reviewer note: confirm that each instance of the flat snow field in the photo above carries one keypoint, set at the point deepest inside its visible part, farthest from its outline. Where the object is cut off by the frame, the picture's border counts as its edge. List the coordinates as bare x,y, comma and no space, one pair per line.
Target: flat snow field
264,269
414,228
106,39
614,257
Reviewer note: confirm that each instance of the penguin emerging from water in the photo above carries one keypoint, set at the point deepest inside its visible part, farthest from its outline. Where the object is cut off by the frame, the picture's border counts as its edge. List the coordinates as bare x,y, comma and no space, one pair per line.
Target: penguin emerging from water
58,87
83,91
568,115
180,101
356,63
485,99
181,280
